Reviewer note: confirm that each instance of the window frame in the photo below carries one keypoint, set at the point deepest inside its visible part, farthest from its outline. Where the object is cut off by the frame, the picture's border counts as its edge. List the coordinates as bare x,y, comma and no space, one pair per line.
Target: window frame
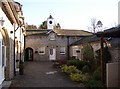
75,53
41,51
52,36
62,50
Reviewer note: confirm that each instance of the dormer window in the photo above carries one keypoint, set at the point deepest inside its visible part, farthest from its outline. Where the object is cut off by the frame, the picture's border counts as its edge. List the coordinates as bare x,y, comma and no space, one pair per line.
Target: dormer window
52,37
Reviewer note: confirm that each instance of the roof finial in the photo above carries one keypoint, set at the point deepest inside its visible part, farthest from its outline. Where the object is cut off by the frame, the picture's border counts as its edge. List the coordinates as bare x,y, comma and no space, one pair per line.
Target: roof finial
50,16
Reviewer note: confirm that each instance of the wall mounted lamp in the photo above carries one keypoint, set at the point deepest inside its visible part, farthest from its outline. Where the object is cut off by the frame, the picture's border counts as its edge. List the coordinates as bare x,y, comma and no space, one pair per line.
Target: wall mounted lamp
1,21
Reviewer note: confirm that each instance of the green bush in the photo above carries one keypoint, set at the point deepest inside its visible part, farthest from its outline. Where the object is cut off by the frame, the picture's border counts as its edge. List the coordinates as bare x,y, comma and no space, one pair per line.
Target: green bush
85,69
93,84
81,78
69,69
79,64
97,74
72,58
88,53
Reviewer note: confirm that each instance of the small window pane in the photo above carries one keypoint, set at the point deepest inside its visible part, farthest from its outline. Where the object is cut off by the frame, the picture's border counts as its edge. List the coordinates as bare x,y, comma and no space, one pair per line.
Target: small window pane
75,51
52,37
62,50
41,50
51,51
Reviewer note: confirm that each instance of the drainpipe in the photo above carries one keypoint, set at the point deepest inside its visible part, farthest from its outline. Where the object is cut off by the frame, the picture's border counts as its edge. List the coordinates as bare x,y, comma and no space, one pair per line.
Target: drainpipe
68,46
24,48
14,52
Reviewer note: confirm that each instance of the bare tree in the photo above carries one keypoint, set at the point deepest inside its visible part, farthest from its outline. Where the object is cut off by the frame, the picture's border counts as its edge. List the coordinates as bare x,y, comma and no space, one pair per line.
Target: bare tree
93,24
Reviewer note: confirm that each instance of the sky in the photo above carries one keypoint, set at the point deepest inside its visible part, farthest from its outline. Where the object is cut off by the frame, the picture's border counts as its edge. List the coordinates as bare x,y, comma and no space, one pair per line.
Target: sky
71,14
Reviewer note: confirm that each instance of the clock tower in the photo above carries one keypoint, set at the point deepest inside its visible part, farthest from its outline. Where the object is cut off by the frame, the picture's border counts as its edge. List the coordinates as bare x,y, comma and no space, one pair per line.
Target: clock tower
50,22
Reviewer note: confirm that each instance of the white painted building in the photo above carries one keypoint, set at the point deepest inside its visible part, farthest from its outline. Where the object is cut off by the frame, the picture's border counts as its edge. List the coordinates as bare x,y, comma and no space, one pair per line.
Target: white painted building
7,26
11,38
2,59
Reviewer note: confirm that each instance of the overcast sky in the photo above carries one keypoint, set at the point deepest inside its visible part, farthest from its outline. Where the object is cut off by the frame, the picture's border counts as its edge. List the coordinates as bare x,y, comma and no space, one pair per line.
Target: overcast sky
71,14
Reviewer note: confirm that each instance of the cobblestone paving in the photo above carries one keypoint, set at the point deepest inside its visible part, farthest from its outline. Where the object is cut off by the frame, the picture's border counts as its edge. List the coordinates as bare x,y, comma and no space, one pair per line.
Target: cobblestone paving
42,74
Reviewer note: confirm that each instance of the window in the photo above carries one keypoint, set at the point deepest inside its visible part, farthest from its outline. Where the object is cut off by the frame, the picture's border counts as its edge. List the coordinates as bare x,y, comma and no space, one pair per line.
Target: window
51,51
75,51
62,50
41,50
3,55
52,37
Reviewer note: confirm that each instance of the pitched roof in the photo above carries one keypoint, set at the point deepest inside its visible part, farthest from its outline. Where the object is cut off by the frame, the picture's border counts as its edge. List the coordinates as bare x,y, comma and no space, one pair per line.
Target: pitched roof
111,32
92,38
72,32
63,32
35,32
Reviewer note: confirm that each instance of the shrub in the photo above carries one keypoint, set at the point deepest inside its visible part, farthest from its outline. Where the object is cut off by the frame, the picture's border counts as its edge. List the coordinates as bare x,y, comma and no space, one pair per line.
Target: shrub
94,84
69,69
81,78
97,74
106,55
85,69
88,54
72,58
64,68
79,64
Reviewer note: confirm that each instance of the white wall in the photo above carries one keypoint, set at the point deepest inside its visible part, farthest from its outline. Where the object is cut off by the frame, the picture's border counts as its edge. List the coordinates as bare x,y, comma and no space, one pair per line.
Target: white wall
7,23
9,27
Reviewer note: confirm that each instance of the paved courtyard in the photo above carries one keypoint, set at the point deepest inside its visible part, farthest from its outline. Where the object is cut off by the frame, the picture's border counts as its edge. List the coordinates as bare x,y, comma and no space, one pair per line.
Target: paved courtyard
42,74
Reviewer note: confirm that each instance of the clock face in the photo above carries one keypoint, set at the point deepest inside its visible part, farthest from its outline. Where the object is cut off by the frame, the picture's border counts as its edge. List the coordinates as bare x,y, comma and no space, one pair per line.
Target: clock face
50,22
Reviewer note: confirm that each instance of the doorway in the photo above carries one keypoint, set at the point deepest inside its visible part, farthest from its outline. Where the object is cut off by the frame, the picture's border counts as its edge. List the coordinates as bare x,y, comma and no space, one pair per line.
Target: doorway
29,54
52,54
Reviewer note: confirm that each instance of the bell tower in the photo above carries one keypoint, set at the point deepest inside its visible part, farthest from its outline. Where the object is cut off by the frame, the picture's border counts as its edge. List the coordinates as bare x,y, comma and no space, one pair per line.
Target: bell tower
50,22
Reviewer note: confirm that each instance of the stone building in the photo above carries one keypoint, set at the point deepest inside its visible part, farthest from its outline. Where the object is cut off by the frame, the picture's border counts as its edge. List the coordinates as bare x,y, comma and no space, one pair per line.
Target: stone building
113,68
51,43
76,48
11,32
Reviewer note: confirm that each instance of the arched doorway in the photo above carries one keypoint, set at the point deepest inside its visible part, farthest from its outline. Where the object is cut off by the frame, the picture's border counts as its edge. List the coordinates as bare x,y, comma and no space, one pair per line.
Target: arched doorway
29,54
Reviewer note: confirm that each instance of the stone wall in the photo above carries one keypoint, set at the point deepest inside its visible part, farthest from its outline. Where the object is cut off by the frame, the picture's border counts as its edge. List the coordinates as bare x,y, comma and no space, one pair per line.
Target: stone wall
36,42
115,54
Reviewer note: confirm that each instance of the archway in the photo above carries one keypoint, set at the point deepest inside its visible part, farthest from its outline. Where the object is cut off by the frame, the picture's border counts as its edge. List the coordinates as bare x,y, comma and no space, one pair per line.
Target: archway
28,54
6,40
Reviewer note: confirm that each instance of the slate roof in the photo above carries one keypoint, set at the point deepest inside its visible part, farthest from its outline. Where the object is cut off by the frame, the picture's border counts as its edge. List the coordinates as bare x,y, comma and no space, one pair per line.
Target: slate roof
72,32
111,32
63,32
89,39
